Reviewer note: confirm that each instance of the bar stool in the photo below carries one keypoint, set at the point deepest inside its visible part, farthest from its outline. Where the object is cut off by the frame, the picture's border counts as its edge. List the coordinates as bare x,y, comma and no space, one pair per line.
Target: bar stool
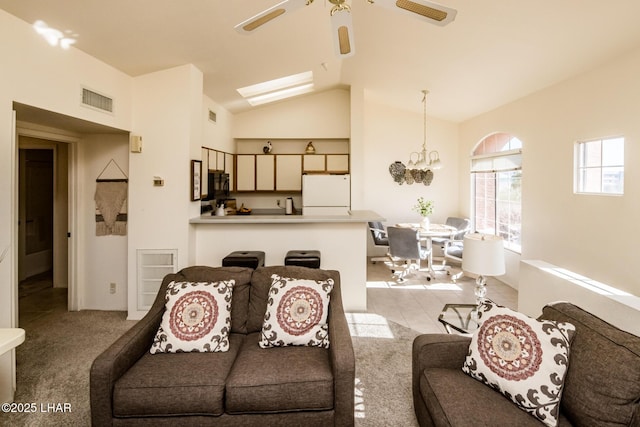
251,259
303,258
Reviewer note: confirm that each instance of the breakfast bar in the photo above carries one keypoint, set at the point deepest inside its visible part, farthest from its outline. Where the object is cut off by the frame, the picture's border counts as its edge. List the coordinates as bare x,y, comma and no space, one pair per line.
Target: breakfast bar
341,240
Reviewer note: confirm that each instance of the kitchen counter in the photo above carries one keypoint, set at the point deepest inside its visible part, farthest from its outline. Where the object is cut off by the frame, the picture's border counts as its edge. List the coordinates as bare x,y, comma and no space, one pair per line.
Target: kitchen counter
341,240
354,216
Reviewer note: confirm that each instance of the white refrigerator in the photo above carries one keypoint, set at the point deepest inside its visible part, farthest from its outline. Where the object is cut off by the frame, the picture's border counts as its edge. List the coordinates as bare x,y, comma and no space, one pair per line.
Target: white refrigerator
326,194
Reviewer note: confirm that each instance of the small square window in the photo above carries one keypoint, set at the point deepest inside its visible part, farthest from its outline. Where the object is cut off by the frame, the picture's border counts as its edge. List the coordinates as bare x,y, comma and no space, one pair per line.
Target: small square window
600,166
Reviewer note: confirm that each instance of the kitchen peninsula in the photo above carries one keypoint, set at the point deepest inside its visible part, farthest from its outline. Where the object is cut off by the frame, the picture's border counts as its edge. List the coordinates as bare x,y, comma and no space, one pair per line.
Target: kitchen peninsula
341,239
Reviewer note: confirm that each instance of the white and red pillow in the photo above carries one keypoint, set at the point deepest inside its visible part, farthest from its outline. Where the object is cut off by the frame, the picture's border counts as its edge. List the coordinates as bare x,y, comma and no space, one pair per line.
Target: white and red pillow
197,318
296,313
523,358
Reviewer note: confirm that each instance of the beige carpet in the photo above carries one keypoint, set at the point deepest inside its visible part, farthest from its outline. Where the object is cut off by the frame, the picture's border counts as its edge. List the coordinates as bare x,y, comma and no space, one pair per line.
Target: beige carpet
53,367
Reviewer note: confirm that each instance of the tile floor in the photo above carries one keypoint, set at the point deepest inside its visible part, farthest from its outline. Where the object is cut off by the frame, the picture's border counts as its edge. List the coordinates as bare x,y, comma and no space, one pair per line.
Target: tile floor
417,303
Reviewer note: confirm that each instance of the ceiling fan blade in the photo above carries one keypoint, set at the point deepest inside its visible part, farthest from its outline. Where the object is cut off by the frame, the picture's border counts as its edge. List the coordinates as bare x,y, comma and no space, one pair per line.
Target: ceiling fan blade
342,27
422,9
270,14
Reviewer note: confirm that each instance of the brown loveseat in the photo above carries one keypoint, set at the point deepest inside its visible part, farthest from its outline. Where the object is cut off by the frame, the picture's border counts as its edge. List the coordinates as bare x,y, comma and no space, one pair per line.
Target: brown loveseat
602,386
246,386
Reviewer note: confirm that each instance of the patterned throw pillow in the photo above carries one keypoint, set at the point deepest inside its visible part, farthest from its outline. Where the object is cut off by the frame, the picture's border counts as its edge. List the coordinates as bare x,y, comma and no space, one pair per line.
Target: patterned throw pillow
523,358
296,313
197,317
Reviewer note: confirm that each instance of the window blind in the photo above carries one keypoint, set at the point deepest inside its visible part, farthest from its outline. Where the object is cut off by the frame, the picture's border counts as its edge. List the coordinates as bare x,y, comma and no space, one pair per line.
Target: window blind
497,162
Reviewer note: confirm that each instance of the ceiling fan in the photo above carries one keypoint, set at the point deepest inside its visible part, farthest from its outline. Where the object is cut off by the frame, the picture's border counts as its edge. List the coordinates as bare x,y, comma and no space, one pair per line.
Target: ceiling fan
341,17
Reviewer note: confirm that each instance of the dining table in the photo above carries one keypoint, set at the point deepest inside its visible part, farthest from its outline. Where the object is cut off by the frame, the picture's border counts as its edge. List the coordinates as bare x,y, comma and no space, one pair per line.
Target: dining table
434,230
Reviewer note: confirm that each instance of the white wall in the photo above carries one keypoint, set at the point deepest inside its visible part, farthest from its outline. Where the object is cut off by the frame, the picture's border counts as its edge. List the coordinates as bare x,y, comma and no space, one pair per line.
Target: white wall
391,134
217,135
168,115
107,262
36,74
594,236
322,115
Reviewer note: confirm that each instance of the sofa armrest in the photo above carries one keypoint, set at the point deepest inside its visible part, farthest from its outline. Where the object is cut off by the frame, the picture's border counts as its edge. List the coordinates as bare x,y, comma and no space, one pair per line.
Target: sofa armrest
437,351
342,358
111,364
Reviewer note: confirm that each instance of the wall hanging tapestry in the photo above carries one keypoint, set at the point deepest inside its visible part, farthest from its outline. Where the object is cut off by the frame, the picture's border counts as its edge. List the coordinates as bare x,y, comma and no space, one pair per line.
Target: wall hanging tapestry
110,198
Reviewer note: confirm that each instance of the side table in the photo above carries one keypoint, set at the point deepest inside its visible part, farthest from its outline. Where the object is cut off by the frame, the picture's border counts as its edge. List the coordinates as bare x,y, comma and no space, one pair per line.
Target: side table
10,338
459,318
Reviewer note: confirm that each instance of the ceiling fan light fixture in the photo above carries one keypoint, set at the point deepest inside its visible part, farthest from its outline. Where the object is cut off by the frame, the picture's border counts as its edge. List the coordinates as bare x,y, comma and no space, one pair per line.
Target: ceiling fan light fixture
343,41
260,21
268,15
342,27
422,9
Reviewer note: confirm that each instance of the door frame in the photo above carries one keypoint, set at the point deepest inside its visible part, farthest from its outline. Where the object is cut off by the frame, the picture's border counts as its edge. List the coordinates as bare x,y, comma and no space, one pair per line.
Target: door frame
74,255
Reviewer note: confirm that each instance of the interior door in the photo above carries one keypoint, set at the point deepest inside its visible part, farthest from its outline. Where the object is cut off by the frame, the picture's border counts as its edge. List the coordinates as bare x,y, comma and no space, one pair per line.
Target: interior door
35,211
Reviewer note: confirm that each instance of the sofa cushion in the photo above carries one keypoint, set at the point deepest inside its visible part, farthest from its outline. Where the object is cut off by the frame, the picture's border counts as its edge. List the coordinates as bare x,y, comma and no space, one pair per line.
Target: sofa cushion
197,317
261,285
602,386
523,358
201,273
195,385
279,379
455,399
297,312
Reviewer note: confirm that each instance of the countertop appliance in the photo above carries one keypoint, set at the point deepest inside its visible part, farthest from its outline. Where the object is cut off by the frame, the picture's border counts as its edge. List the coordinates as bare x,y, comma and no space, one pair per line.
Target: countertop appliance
326,194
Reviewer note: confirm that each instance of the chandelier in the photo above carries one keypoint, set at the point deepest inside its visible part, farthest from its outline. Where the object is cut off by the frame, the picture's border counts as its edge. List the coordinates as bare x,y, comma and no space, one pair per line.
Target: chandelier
421,163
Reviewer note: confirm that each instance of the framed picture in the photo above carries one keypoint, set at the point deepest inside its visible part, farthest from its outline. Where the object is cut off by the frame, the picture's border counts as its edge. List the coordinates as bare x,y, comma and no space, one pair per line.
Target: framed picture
196,179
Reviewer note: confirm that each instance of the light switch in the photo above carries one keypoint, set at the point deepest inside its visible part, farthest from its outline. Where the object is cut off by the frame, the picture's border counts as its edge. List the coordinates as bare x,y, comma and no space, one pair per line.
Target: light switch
135,142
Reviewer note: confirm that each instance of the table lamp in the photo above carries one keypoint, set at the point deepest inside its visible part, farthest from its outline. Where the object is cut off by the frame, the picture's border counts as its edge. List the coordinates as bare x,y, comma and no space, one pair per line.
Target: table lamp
483,254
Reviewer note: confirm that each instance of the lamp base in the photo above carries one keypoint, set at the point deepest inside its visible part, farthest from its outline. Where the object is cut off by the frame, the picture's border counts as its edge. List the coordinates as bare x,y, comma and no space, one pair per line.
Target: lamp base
481,289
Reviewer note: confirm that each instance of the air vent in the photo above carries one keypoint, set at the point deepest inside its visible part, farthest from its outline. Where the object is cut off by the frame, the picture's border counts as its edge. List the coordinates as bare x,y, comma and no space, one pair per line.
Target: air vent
95,100
212,116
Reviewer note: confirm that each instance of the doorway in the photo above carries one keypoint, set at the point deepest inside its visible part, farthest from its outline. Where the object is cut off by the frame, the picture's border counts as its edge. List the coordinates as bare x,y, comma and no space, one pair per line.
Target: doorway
42,221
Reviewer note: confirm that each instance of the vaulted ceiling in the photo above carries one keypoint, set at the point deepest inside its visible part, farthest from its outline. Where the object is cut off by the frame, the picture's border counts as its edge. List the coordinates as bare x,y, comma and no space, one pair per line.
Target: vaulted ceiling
495,51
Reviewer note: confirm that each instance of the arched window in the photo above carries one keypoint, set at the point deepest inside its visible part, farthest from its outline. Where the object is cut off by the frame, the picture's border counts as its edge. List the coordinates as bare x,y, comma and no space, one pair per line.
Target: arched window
496,172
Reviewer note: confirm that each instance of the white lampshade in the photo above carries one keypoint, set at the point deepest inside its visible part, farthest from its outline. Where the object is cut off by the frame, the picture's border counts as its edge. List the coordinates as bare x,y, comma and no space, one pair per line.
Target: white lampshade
483,254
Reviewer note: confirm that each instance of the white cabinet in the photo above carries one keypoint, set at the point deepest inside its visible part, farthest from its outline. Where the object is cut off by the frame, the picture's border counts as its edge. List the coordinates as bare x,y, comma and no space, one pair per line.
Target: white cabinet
212,160
220,157
338,163
204,184
153,265
289,172
265,173
314,163
246,172
228,168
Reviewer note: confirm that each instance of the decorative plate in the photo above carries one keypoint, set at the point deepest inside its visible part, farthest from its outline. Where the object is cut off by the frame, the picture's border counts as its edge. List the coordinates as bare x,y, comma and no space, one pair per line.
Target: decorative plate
397,171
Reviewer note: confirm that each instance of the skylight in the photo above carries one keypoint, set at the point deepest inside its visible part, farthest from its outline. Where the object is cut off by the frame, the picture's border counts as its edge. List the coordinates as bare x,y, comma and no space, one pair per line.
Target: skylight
274,90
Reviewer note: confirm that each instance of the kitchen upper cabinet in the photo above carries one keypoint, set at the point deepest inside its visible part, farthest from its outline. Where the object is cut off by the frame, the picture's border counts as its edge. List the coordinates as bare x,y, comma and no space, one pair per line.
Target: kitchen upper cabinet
212,160
265,173
246,172
281,170
314,163
338,163
220,161
228,168
289,172
204,184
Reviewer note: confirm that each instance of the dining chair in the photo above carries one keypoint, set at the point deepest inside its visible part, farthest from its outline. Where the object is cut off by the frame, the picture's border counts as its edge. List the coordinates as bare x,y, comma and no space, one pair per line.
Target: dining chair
453,251
405,251
463,225
380,239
